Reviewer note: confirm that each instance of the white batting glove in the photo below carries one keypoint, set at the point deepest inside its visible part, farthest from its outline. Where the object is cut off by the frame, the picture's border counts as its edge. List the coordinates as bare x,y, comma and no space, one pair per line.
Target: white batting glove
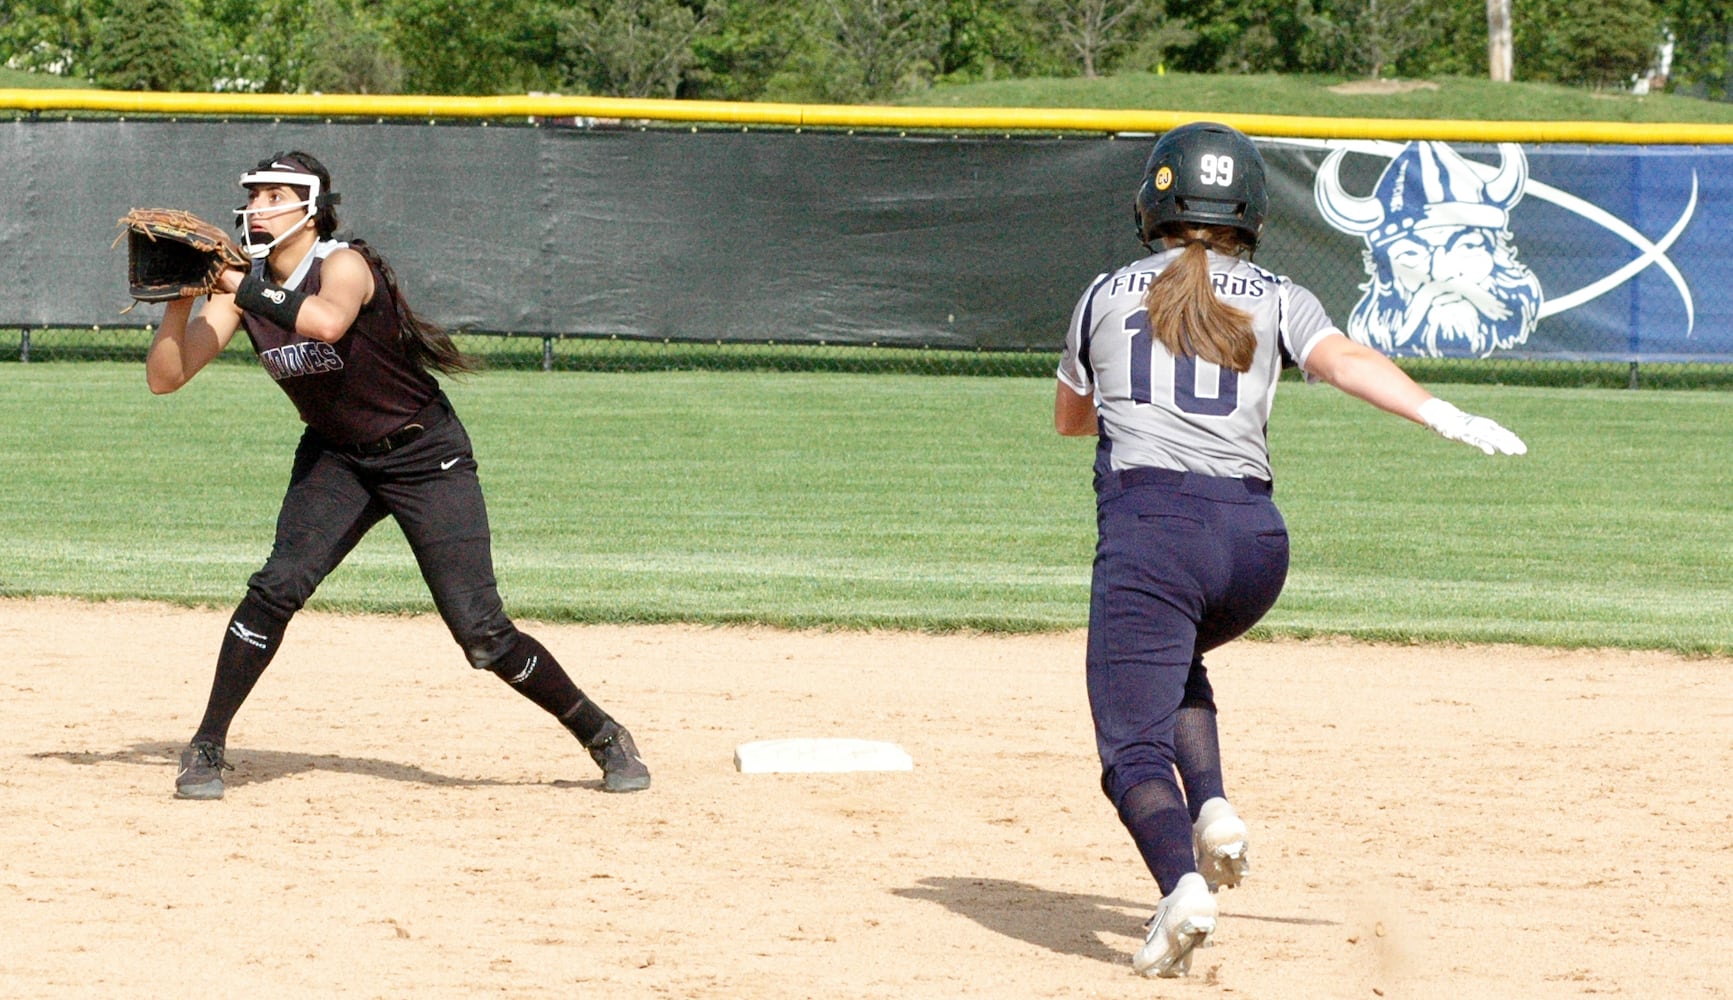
1480,432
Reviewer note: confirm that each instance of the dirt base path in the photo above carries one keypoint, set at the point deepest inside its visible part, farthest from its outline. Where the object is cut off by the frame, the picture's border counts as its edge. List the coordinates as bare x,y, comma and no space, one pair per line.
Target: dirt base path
1427,822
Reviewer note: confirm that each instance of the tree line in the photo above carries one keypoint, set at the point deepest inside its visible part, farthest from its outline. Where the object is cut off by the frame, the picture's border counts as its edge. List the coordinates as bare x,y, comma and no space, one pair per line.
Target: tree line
842,51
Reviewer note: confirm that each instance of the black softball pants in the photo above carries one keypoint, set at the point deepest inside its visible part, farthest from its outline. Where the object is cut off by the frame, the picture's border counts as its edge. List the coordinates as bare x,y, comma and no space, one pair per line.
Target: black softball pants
430,487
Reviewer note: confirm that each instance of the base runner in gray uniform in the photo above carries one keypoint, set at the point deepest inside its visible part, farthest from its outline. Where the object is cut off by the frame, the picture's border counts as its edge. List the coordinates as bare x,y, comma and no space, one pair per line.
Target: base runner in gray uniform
331,327
1173,361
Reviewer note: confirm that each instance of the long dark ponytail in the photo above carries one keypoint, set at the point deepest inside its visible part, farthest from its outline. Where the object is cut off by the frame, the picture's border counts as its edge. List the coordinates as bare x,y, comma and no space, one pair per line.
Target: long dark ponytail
428,344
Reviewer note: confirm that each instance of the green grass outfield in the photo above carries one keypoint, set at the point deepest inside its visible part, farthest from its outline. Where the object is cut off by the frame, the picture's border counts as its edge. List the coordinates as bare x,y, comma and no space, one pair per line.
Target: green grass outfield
907,501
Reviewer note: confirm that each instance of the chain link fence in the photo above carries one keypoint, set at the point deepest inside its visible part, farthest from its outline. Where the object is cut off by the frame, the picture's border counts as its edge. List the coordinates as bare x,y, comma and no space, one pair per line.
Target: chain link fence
499,352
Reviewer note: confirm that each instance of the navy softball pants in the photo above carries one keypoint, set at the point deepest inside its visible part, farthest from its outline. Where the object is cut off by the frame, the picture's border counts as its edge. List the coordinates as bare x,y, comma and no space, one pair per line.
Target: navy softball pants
430,487
1184,563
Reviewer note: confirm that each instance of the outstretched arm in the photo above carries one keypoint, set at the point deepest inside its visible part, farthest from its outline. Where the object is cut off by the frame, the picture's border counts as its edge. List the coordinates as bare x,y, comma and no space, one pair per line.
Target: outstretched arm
1366,374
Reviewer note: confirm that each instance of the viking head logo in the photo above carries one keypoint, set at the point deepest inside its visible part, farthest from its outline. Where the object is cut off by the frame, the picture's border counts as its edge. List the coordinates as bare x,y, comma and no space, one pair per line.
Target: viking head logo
1444,276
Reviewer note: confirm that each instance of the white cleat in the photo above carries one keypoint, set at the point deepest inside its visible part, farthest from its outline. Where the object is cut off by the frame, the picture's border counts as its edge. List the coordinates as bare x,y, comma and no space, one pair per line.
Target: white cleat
1221,840
1183,922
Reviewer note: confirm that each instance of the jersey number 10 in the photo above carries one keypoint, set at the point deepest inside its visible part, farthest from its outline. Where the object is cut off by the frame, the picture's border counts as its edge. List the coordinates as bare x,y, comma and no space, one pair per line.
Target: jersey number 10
1187,395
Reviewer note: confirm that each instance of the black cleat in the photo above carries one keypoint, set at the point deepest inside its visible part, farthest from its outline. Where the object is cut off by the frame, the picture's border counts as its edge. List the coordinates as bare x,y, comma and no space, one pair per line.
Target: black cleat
615,753
201,774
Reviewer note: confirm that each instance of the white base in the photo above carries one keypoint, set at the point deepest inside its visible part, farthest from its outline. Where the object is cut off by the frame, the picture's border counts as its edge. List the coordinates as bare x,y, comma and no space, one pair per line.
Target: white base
819,756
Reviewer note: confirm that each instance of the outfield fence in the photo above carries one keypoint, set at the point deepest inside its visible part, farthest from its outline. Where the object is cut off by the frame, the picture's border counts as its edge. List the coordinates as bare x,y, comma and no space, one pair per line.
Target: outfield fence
925,240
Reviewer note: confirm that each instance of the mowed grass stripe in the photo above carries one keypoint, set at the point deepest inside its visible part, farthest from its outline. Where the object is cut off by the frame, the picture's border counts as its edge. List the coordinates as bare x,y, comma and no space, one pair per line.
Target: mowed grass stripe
869,500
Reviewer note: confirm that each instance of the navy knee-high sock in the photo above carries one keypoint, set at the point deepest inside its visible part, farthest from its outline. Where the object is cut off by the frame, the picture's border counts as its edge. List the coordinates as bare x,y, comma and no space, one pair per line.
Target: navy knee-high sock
254,634
1198,753
1155,814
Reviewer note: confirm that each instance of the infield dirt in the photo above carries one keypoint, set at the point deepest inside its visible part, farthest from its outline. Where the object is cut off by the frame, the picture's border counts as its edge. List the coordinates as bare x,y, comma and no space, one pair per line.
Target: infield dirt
1427,822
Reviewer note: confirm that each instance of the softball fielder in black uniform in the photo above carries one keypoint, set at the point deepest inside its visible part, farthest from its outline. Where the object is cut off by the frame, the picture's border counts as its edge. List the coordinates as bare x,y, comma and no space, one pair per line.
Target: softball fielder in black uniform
1173,361
331,327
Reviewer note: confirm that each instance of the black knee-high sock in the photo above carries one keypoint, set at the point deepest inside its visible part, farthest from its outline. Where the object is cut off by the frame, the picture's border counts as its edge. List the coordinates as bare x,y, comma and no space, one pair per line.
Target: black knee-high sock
1157,819
252,640
533,672
1197,751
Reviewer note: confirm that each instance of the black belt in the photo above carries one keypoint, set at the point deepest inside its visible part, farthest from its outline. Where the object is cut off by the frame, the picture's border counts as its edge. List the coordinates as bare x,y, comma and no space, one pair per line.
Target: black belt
428,416
1148,476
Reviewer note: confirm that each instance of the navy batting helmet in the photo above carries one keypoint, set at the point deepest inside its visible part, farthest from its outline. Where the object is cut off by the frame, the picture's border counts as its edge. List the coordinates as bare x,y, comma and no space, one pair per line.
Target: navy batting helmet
1203,174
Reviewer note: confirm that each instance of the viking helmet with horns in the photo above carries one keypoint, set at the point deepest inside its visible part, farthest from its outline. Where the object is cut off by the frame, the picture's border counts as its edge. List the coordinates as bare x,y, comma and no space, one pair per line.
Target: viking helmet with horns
1427,184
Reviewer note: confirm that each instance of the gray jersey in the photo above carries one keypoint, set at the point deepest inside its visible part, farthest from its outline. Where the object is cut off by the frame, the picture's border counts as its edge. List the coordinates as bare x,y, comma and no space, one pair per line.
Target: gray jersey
1186,413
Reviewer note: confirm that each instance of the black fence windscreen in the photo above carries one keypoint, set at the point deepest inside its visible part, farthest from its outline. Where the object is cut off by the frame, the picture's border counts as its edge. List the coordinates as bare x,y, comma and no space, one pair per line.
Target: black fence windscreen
661,234
973,242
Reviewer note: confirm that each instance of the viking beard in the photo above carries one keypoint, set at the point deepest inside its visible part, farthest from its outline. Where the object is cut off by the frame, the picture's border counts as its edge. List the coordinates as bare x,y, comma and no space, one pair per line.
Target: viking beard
1445,317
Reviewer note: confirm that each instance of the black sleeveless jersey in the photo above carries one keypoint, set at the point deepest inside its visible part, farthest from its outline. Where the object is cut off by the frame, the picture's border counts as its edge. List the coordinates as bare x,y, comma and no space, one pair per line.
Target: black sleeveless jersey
358,389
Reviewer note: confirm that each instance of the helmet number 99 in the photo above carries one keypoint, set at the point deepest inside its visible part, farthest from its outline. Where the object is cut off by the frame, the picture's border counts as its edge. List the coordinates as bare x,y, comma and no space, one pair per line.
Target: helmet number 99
1217,169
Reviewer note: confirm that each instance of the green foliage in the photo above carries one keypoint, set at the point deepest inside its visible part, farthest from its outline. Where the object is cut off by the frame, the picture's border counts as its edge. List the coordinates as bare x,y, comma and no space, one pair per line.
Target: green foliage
147,45
357,55
749,51
1460,47
475,47
1603,44
877,49
1092,32
47,36
832,50
631,48
298,46
843,51
254,44
990,39
1702,32
1257,36
1374,37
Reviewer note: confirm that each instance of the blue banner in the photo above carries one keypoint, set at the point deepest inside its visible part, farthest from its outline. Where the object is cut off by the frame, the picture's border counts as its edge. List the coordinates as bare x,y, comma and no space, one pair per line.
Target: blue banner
1559,252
